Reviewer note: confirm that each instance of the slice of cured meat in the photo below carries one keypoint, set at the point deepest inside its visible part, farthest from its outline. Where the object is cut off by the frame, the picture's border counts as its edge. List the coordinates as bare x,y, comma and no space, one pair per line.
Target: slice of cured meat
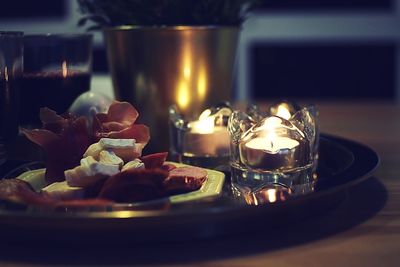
189,171
155,160
52,121
134,185
119,113
118,123
64,140
139,132
19,191
184,179
168,167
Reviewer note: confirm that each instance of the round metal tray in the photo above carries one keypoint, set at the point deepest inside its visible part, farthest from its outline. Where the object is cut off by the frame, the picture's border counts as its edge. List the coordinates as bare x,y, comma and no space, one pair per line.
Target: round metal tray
342,164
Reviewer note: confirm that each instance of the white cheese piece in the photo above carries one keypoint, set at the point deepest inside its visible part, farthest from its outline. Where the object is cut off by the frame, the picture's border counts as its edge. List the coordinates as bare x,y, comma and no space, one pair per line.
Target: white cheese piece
93,167
89,172
134,164
93,150
79,176
62,191
109,157
116,143
124,148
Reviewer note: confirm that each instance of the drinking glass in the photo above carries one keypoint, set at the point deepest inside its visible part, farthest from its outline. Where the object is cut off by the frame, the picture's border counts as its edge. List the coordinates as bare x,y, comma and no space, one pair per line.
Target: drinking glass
57,69
11,68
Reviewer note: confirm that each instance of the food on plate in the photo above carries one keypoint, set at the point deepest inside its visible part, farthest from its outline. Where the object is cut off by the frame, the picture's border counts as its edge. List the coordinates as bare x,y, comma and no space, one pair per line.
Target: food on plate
64,139
168,166
193,172
119,123
126,149
135,185
155,160
63,191
133,164
184,179
89,172
109,157
101,165
19,191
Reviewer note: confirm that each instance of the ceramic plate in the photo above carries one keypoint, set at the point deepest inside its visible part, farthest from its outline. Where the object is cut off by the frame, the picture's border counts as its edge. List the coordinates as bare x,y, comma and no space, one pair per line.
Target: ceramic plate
212,186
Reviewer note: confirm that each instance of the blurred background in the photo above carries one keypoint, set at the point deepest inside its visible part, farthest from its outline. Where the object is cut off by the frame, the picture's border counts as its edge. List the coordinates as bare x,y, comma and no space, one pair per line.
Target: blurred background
311,49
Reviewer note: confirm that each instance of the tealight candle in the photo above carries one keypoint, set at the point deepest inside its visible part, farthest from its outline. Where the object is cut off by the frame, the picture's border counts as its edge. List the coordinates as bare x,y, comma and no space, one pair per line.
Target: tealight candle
271,150
266,154
205,138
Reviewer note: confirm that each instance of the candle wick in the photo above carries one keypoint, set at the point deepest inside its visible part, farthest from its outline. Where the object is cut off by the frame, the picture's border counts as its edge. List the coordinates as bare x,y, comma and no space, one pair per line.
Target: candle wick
272,144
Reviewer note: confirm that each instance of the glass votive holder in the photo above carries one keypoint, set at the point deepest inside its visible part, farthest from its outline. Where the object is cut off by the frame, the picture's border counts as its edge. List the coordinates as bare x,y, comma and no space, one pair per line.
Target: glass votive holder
11,68
203,141
273,154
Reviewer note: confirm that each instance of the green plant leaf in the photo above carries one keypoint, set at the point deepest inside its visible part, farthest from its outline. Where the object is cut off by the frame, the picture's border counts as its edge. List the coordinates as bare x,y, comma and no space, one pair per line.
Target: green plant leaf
164,12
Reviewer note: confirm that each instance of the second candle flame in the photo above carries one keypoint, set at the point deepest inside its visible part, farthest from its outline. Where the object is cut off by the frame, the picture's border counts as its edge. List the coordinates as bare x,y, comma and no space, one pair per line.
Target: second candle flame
64,69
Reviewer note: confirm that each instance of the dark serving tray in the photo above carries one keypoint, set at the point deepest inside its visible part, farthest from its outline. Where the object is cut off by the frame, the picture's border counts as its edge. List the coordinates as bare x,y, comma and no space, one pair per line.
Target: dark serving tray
342,164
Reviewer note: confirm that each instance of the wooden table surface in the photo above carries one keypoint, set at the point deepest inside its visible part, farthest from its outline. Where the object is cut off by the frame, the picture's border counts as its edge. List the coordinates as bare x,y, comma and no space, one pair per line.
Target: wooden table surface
362,231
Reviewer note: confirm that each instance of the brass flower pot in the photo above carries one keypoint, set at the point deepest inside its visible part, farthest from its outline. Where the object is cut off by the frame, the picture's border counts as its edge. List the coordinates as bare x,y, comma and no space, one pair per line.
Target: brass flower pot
154,67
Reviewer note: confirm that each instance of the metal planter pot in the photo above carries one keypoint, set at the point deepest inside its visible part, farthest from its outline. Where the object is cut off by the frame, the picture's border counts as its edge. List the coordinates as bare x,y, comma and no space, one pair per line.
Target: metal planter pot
155,67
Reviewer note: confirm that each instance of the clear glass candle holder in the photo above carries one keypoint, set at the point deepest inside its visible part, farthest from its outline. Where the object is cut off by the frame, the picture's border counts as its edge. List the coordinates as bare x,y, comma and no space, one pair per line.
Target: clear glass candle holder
201,141
273,156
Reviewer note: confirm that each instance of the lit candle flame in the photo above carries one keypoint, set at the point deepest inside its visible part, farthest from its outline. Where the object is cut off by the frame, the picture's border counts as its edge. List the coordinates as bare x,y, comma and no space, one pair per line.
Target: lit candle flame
271,123
64,69
283,112
271,195
205,124
205,114
269,139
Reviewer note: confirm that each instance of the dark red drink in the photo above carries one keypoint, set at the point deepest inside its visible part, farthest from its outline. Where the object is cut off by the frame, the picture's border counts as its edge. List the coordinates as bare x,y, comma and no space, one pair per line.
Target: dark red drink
55,90
9,92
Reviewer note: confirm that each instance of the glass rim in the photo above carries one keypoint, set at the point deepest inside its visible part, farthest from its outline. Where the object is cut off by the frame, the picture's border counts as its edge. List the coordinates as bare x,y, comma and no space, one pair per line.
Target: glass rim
170,28
11,33
59,36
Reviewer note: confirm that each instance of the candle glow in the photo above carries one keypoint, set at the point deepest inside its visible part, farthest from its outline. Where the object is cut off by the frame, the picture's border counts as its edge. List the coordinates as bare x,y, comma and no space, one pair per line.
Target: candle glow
283,112
207,135
205,124
268,139
183,95
202,83
272,144
268,146
64,69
